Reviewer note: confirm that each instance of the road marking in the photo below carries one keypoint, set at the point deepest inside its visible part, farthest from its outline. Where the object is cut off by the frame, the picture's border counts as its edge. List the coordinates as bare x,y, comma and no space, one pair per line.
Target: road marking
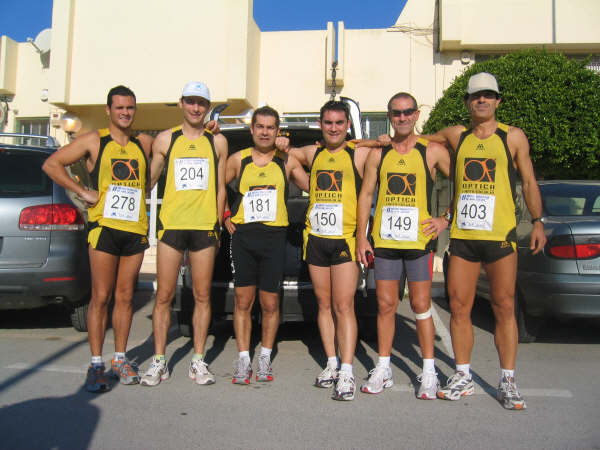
442,331
557,393
61,369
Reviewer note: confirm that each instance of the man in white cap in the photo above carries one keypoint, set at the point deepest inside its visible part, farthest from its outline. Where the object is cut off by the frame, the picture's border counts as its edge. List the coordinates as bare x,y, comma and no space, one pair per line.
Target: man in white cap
190,218
483,231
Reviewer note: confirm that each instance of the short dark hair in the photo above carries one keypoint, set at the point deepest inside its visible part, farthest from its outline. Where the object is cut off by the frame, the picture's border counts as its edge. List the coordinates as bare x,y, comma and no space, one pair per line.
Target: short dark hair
335,105
402,95
265,111
119,90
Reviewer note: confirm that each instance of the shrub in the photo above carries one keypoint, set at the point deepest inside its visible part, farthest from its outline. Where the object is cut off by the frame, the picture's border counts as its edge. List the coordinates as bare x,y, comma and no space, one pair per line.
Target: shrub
555,100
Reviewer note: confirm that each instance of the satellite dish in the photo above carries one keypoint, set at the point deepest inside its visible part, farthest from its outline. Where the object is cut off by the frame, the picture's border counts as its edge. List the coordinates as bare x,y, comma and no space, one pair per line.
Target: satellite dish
43,40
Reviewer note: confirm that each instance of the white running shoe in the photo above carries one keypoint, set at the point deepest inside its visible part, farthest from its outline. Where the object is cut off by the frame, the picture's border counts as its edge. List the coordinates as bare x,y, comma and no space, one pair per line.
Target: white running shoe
327,377
264,371
459,385
156,373
430,386
199,372
509,395
345,387
242,371
380,377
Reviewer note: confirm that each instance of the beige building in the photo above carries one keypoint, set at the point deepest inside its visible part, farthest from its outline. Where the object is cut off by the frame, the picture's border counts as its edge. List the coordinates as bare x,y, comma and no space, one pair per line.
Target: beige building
156,47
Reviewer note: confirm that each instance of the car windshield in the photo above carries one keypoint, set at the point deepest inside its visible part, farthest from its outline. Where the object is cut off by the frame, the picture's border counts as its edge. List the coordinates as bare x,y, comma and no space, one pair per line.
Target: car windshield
21,174
564,199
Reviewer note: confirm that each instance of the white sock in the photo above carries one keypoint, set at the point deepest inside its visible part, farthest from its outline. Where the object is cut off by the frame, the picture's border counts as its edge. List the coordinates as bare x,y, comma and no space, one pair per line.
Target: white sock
265,351
428,365
464,368
505,373
245,355
384,361
332,361
97,360
119,355
347,368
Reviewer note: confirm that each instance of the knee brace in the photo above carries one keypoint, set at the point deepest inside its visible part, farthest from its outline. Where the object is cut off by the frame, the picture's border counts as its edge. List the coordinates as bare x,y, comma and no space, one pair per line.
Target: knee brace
423,316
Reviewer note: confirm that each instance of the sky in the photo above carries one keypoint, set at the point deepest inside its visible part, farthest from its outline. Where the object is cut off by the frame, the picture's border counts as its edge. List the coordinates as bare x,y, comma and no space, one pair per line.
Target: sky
20,19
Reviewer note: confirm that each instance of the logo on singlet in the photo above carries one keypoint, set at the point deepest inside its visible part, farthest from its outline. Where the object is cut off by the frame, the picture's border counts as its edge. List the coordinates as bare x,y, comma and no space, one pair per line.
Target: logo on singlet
480,147
125,169
401,183
331,160
262,175
401,162
192,147
480,170
329,180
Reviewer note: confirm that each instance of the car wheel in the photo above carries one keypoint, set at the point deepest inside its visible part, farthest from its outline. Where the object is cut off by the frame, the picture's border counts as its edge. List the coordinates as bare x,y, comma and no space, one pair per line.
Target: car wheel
79,316
184,322
525,323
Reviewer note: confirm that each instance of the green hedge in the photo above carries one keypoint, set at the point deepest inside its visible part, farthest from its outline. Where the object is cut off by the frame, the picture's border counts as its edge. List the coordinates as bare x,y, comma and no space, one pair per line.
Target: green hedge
555,100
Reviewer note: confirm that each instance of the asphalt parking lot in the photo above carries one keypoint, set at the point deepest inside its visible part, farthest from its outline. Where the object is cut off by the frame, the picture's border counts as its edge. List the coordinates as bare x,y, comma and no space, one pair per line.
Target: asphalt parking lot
42,403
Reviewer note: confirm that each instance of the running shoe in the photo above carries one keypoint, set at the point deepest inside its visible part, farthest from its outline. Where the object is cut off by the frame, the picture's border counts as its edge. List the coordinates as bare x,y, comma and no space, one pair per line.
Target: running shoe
264,372
459,385
344,388
509,395
380,377
327,377
124,371
95,380
430,386
242,371
156,373
199,372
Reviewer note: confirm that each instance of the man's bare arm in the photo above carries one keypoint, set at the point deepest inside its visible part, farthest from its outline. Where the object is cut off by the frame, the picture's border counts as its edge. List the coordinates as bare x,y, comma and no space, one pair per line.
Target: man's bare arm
160,146
298,174
221,150
232,170
84,146
531,191
365,199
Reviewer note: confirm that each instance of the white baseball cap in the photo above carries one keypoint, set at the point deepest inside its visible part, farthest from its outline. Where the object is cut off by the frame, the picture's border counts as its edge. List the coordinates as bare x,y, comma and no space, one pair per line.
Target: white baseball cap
196,89
482,81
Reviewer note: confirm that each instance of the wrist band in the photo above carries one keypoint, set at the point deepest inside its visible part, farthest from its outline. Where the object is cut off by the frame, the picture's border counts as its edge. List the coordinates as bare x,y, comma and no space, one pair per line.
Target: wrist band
536,219
226,214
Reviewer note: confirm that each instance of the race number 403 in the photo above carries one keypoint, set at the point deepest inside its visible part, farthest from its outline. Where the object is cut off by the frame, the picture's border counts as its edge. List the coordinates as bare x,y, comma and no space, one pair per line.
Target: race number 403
475,212
327,219
260,205
191,173
399,223
123,203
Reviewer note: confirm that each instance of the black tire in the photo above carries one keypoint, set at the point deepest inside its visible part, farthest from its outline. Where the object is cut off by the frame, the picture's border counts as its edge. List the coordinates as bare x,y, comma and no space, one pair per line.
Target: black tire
79,316
184,322
525,324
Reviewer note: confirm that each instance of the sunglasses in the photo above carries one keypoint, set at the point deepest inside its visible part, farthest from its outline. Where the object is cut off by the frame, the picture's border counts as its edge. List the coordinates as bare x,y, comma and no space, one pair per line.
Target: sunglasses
406,112
485,94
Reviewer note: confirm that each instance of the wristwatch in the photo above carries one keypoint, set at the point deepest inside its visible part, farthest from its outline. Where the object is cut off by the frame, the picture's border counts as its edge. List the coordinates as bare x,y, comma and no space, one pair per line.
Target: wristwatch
536,219
448,216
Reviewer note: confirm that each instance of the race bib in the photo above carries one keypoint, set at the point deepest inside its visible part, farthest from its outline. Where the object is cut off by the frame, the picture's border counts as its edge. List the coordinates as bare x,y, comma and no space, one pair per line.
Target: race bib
399,223
475,212
123,203
260,205
191,173
326,219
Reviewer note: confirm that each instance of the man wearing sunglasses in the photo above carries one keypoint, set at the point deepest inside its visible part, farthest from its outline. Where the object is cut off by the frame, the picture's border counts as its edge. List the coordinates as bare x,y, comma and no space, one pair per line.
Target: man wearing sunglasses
404,235
483,231
190,218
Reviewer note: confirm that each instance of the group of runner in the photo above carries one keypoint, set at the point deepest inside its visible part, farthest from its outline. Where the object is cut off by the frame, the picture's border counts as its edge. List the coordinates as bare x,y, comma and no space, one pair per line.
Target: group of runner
341,183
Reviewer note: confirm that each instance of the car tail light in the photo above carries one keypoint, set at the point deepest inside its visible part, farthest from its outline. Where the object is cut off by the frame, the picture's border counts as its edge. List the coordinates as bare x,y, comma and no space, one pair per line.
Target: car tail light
575,247
51,217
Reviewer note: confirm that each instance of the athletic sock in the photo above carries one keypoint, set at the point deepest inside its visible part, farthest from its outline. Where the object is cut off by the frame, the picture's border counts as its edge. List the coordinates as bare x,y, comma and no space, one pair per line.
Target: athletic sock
159,357
346,368
384,361
428,365
464,368
265,351
97,361
119,355
505,373
332,361
197,357
244,355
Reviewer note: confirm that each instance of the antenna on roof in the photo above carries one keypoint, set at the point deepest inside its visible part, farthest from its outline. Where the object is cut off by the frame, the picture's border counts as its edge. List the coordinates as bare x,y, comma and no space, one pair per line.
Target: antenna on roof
42,44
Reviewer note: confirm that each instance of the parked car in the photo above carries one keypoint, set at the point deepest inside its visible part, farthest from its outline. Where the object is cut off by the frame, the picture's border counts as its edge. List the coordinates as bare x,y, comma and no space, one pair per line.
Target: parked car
43,248
297,299
564,279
